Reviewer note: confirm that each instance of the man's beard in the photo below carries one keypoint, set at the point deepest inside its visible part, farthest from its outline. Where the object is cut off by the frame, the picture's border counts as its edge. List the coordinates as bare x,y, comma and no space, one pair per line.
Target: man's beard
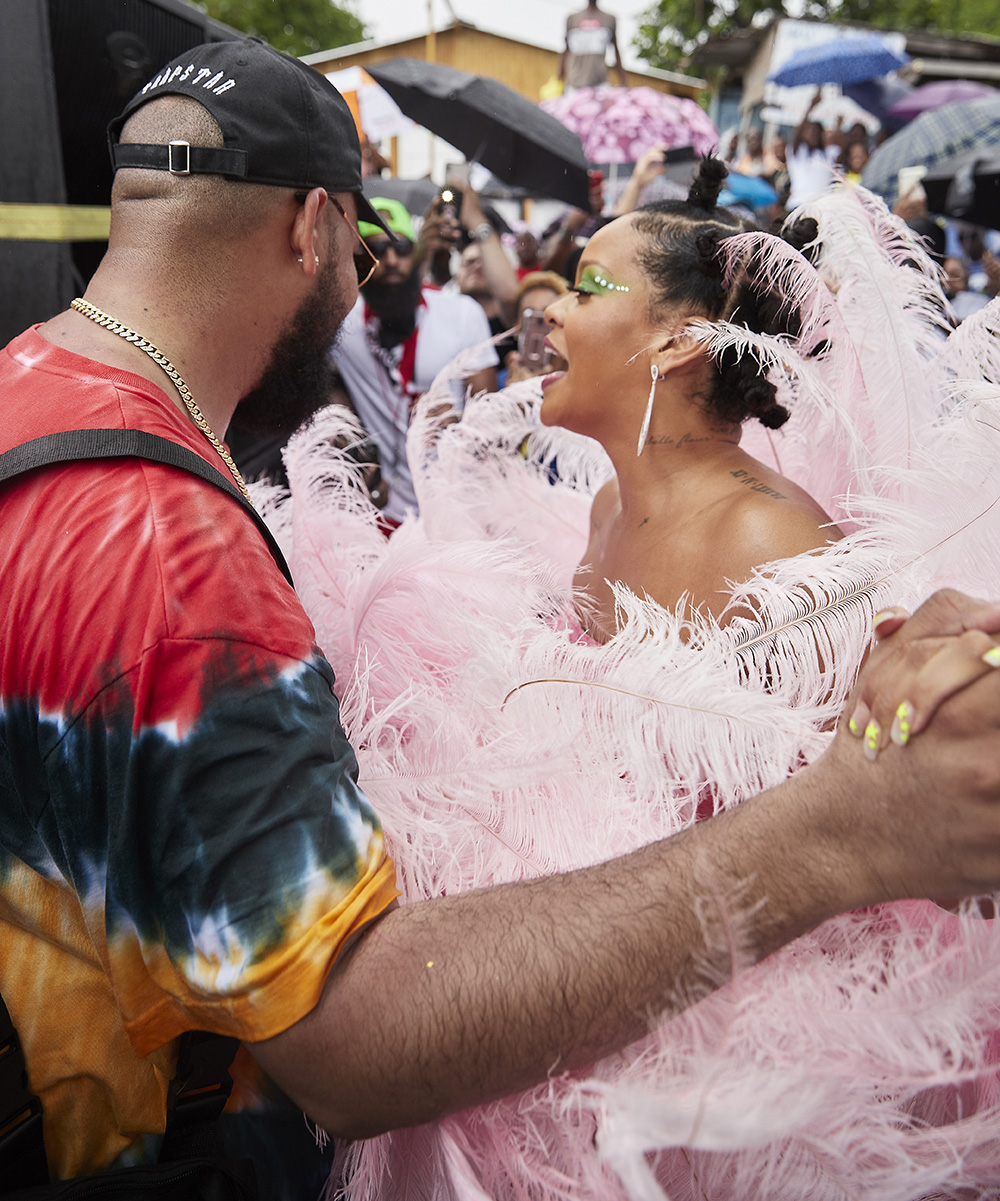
299,376
395,305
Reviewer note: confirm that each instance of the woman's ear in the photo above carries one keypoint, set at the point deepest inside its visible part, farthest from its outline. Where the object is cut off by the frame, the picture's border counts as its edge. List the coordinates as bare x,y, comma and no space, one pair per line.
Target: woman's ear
678,350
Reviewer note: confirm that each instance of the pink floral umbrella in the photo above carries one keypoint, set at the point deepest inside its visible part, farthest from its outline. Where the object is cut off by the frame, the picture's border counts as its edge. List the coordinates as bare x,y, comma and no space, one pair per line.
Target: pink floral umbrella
617,125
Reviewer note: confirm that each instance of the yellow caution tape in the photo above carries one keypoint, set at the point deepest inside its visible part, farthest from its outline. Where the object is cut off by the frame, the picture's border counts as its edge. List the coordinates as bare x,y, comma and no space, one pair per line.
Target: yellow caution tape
54,222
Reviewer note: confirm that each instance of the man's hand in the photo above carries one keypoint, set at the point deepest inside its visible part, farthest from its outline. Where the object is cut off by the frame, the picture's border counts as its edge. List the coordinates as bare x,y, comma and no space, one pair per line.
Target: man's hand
921,817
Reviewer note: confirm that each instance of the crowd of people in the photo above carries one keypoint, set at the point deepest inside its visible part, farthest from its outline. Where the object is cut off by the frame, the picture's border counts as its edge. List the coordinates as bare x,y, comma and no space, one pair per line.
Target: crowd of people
217,789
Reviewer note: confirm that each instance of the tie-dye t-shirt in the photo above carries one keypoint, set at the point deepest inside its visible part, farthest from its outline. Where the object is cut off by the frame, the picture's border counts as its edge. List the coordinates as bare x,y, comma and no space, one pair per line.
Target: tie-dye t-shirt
183,844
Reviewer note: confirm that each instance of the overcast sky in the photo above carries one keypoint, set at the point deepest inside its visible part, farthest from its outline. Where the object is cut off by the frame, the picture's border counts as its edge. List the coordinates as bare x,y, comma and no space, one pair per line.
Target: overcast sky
542,22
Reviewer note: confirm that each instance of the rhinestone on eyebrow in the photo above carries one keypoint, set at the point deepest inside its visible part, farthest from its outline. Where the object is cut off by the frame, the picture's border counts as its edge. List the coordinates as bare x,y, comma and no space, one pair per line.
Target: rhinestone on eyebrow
592,275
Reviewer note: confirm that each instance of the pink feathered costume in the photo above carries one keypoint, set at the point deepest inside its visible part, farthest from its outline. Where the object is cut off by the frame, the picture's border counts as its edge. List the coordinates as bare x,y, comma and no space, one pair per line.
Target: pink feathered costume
860,1061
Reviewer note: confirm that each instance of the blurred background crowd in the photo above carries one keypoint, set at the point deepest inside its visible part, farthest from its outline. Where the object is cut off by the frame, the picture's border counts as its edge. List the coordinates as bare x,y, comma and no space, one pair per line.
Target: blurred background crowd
493,158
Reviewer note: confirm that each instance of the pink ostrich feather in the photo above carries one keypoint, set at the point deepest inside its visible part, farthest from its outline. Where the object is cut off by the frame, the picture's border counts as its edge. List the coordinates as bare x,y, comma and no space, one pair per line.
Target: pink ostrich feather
861,1061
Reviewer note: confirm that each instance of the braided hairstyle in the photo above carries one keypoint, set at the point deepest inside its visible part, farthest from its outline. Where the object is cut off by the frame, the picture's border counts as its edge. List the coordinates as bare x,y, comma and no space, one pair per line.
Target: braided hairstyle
681,256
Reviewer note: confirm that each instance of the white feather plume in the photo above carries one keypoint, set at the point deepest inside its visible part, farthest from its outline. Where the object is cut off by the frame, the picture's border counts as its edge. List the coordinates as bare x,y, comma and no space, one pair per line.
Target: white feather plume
497,743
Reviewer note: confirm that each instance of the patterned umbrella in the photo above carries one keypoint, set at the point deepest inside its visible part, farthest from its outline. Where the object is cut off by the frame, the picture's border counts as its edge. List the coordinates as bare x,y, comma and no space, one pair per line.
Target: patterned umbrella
618,125
931,139
840,60
937,95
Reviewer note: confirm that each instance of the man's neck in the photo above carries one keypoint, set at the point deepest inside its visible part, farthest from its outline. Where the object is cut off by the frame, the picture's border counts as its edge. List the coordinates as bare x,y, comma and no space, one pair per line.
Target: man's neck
206,353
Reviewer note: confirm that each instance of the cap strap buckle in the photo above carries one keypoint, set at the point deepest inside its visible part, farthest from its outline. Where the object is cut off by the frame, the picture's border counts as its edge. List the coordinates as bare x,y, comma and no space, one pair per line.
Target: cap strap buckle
179,157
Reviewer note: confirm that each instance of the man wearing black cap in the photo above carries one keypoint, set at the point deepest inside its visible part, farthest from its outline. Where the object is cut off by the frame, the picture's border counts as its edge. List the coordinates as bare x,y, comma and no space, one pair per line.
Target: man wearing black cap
205,853
183,844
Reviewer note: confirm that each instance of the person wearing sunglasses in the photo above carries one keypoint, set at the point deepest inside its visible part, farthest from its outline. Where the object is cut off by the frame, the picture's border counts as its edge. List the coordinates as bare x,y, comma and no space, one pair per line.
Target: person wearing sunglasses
184,843
396,339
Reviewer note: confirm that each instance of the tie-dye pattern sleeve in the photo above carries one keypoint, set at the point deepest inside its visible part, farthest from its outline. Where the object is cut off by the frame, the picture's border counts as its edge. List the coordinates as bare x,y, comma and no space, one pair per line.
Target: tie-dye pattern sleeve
222,870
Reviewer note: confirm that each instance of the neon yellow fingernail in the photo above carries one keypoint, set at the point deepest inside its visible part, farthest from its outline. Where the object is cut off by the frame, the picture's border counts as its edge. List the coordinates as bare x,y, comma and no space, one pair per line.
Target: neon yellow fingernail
992,657
873,735
853,726
883,615
902,724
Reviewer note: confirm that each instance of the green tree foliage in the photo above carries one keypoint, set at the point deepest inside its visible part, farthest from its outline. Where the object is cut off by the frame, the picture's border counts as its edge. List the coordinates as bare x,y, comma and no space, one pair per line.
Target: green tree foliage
295,26
671,29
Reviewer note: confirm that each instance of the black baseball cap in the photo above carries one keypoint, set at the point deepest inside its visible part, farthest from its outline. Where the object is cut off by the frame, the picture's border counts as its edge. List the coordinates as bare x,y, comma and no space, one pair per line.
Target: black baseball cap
282,122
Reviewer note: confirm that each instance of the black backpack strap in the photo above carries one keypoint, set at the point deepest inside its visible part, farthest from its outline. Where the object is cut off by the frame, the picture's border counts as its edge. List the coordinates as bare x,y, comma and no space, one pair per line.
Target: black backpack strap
22,1151
198,1094
127,443
195,1101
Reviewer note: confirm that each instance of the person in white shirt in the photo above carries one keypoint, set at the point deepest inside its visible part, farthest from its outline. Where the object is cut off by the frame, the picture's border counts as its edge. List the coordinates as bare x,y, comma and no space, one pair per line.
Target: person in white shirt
811,163
393,343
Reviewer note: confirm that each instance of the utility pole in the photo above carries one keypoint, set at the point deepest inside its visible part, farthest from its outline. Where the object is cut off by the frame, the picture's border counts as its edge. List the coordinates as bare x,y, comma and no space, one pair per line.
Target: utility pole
430,53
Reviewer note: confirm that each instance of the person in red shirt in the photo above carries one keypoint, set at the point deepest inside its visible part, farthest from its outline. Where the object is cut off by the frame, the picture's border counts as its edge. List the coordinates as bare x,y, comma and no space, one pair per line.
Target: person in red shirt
183,840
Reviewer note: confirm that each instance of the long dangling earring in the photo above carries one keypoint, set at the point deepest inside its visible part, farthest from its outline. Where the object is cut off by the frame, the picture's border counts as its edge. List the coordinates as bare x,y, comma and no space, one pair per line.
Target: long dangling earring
654,372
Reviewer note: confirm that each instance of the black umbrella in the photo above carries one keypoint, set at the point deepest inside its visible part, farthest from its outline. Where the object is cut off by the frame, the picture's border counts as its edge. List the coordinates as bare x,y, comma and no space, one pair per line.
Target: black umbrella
490,124
967,186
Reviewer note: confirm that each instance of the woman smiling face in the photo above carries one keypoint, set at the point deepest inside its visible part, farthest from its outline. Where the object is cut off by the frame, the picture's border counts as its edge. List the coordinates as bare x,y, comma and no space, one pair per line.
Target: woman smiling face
603,329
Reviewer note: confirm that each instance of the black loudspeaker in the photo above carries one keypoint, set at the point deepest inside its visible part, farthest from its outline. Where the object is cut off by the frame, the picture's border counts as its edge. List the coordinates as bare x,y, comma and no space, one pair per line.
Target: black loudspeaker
67,68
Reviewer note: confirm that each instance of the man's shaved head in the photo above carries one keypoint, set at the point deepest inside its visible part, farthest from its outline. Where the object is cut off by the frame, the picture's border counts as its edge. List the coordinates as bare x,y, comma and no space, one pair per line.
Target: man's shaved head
218,209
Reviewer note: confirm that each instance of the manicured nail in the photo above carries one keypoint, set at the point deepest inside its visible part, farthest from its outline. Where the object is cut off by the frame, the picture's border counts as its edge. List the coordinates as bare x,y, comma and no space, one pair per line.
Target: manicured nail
902,724
992,657
883,615
873,734
856,722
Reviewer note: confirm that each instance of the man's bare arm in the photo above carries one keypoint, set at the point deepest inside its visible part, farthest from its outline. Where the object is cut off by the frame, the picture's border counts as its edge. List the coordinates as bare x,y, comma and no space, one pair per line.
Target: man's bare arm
455,1001
459,1000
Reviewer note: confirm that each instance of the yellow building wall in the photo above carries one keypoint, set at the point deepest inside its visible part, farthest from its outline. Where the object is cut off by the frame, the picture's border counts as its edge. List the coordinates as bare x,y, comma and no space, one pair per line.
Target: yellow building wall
521,67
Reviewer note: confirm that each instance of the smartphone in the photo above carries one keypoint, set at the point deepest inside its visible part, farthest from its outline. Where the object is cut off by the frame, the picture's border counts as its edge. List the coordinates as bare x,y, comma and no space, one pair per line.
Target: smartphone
456,175
531,340
451,202
908,183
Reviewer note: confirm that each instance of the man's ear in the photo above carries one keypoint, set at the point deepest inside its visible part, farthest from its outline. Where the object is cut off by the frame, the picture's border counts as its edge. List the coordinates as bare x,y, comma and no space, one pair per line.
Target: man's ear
305,240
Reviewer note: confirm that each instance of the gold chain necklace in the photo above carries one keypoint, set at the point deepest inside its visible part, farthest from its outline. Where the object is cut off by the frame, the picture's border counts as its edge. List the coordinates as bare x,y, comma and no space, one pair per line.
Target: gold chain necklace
161,360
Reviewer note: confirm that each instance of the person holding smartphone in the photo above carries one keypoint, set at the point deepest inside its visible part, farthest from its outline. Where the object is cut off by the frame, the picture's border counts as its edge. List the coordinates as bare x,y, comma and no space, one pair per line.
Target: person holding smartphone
532,356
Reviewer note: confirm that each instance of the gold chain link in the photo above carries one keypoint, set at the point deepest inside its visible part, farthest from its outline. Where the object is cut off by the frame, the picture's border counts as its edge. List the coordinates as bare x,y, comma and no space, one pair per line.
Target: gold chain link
161,360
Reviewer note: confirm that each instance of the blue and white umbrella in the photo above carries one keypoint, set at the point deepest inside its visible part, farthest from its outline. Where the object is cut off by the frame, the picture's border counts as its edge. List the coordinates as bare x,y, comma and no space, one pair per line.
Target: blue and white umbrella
840,60
750,190
932,139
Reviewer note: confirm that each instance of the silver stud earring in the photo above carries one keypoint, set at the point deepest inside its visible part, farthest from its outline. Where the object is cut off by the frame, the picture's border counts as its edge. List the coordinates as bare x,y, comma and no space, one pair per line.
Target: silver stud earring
654,373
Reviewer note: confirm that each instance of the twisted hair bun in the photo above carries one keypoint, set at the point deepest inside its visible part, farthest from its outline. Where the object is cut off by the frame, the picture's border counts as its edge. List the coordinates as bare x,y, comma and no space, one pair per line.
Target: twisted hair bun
682,255
707,185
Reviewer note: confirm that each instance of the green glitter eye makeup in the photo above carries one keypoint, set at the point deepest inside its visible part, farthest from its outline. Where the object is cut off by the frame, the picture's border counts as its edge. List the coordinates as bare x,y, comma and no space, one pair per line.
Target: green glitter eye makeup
594,281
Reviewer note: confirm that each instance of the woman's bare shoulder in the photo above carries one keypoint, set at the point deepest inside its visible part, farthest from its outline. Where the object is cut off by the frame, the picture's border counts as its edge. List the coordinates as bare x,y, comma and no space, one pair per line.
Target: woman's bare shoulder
772,519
